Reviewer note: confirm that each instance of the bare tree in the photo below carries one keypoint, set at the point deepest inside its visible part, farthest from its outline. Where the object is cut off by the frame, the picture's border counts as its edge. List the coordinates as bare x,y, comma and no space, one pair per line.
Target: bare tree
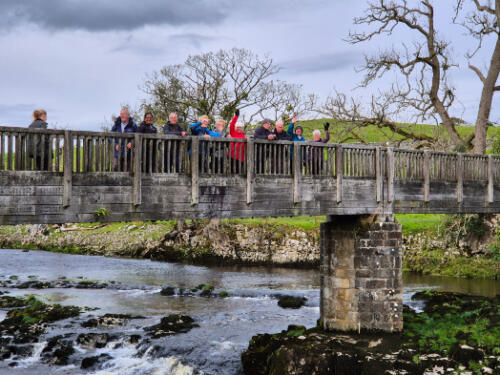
217,83
355,115
483,22
422,90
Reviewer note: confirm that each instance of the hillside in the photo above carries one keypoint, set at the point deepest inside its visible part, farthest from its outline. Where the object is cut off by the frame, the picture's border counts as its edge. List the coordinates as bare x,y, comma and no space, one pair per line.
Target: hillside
373,134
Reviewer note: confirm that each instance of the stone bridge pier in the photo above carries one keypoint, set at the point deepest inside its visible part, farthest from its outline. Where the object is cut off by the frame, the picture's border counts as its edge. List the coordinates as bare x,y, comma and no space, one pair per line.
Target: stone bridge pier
361,274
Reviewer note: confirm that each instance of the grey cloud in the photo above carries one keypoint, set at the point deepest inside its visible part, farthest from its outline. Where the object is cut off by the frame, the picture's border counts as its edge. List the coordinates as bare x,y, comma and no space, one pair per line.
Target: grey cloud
15,114
108,15
194,39
323,63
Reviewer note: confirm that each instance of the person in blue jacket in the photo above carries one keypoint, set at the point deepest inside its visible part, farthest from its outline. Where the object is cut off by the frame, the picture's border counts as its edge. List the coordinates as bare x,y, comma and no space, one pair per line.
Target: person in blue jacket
123,124
297,136
201,129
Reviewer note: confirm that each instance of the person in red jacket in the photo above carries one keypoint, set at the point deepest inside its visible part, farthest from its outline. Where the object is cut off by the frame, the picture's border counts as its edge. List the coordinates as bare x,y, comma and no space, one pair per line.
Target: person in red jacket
237,148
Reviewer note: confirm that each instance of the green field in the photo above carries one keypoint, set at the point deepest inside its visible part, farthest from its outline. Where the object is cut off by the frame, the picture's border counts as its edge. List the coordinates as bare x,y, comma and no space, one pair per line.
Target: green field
373,134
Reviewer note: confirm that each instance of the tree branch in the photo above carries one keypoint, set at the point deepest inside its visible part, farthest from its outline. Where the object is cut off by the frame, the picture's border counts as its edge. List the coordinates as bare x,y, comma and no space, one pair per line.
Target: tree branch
478,72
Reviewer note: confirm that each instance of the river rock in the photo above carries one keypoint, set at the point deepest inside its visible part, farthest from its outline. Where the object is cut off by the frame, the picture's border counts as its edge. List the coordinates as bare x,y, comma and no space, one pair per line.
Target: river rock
110,320
92,363
94,340
291,302
167,291
58,351
171,325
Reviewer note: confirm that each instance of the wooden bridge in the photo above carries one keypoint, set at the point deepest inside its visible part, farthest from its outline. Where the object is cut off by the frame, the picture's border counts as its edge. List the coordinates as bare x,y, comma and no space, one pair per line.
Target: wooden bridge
51,176
165,178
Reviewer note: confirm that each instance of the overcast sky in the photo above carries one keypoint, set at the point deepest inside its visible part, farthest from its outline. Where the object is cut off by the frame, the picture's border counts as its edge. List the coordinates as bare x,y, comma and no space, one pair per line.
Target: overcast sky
82,59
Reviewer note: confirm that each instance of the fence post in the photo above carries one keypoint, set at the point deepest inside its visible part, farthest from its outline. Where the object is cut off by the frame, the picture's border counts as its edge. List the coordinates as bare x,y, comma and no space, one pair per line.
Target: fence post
491,186
378,173
390,174
427,165
460,178
339,170
137,169
195,192
67,168
297,171
250,160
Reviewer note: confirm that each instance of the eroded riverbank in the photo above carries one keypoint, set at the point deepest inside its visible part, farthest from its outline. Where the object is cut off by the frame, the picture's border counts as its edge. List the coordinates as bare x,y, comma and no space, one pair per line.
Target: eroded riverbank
264,242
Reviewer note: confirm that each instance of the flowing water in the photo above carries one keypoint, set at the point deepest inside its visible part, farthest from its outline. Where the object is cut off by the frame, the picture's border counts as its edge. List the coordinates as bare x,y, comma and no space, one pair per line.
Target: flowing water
225,324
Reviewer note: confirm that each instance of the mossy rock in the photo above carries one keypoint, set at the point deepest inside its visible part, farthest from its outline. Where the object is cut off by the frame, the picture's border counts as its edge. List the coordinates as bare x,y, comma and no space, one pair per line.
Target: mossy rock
171,325
291,302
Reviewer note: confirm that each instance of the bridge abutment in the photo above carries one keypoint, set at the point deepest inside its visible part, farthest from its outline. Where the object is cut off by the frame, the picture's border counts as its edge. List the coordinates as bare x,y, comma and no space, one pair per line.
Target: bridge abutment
361,274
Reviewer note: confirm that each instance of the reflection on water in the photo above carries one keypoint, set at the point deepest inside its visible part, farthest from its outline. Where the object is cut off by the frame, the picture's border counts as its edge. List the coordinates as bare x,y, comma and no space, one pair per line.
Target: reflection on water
451,284
226,325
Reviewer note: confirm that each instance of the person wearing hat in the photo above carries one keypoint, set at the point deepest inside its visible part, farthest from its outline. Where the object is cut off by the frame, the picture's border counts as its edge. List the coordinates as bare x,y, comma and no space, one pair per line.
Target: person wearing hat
297,136
263,132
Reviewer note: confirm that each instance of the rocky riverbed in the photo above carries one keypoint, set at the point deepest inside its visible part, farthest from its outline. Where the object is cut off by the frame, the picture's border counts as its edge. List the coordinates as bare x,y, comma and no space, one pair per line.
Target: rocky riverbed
135,316
454,333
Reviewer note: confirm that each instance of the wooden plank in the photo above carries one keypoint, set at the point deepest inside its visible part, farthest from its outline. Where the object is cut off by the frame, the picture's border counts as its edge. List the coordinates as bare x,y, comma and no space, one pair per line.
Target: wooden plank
68,168
491,180
339,170
460,178
378,174
427,165
250,164
297,172
390,174
195,189
137,195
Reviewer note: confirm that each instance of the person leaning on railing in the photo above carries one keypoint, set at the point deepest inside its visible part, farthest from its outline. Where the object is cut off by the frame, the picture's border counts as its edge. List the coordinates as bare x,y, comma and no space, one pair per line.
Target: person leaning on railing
218,156
201,129
297,135
317,154
123,124
263,132
149,145
172,127
35,151
279,160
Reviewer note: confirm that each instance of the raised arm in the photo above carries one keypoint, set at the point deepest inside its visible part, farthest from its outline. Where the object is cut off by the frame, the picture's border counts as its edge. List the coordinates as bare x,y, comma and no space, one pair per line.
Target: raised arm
326,126
232,125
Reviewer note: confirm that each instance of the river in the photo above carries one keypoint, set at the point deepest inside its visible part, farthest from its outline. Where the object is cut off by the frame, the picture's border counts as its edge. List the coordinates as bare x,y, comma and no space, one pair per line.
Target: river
225,324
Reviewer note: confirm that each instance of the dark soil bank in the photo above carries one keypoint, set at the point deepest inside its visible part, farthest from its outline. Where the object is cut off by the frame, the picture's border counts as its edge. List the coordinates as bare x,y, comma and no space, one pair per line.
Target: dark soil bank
455,333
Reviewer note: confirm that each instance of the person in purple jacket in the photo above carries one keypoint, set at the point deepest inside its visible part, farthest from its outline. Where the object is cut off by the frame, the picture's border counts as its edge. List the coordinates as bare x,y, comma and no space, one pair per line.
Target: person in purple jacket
317,154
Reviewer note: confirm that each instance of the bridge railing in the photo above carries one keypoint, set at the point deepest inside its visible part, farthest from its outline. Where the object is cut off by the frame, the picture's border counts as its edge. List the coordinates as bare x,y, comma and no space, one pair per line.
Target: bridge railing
36,149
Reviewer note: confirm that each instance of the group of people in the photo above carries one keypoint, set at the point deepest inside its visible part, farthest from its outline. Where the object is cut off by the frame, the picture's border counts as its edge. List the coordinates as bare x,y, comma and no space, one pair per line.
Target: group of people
126,124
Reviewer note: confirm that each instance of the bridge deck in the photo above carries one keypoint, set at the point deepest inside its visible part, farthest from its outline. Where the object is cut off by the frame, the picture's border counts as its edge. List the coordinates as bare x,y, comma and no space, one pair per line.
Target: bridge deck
179,178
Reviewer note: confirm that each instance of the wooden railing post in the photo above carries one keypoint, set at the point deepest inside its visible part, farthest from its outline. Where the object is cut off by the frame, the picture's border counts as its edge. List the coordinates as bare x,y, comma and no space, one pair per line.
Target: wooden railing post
390,174
339,170
67,168
137,169
427,175
250,160
491,186
460,178
378,173
297,171
195,191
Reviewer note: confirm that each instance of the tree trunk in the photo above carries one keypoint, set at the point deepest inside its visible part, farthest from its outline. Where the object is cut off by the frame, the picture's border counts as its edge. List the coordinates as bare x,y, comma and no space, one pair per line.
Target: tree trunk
483,114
